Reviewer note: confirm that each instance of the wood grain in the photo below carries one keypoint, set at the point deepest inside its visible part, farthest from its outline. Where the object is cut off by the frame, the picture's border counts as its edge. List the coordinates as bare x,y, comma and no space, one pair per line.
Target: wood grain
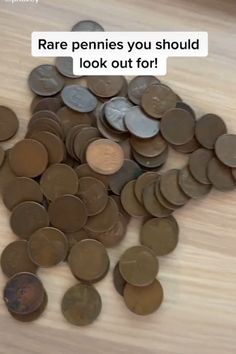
199,278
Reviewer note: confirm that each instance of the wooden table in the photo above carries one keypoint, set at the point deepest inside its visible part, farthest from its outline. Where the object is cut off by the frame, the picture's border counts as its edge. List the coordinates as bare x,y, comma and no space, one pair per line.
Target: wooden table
199,278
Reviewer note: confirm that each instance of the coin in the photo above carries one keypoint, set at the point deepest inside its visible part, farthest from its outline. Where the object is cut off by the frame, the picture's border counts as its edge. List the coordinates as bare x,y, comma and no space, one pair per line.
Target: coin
148,147
81,304
105,156
87,26
138,266
188,147
170,188
129,171
105,86
67,213
43,114
78,98
157,100
160,235
115,111
225,149
52,104
162,199
9,123
129,201
143,300
208,129
27,217
138,85
45,80
15,259
117,200
2,156
82,139
85,171
47,247
198,164
125,145
139,124
28,158
21,189
142,181
151,162
190,186
220,175
93,193
105,220
118,280
88,260
23,293
69,118
177,126
152,204
186,107
6,173
65,66
45,123
76,236
58,180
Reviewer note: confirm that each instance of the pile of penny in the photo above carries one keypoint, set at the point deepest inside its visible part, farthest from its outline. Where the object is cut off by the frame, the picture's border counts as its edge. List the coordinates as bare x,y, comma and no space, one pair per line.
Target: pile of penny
91,159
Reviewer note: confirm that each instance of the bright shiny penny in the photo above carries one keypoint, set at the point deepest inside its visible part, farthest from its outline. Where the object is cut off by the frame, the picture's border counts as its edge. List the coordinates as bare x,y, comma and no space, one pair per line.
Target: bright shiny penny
9,123
225,149
190,186
208,129
220,175
139,124
198,164
170,188
148,147
129,201
142,181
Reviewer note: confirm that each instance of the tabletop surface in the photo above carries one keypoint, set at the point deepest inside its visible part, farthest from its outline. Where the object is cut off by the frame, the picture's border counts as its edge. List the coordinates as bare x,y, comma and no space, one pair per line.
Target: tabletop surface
199,277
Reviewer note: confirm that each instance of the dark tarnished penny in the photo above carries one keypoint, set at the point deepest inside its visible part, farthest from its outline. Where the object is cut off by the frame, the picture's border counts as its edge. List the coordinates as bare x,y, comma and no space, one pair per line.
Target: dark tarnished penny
138,266
128,172
69,118
85,171
186,107
208,129
2,156
118,280
52,104
162,199
139,124
65,66
21,189
129,201
142,181
23,293
115,111
58,180
188,147
225,149
27,217
190,186
43,114
138,85
125,145
78,98
67,213
149,147
15,259
8,122
143,300
177,126
105,86
81,304
87,26
152,204
220,175
169,186
76,236
82,140
117,200
47,247
88,260
157,100
45,124
45,80
160,235
28,158
94,195
105,220
151,162
198,164
6,173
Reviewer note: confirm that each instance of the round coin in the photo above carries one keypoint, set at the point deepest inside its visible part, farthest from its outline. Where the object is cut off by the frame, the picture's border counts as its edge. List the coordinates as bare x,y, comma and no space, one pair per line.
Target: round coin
151,162
76,236
149,147
87,26
45,80
9,123
139,124
138,85
69,118
85,171
198,164
65,66
118,280
220,175
78,98
208,129
187,148
152,204
169,186
129,201
142,181
162,199
52,104
115,111
225,149
190,186
105,86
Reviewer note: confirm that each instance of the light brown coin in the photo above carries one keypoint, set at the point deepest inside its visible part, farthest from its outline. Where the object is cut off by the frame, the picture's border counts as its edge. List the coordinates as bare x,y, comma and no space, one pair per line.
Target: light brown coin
105,156
138,266
9,123
15,259
85,171
220,175
67,213
129,201
21,189
198,164
208,129
190,186
225,149
94,195
76,236
148,147
45,124
152,204
143,300
88,260
105,86
171,190
160,235
142,181
28,158
47,247
27,217
58,180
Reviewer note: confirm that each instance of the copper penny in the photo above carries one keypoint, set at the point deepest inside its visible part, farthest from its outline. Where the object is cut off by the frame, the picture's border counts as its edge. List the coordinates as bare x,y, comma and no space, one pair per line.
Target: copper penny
186,107
142,181
9,123
76,236
169,186
149,147
198,164
225,149
6,173
118,280
188,147
220,175
152,162
85,171
162,199
52,104
129,201
208,129
190,186
69,118
45,80
2,156
138,85
81,140
105,86
152,204
65,67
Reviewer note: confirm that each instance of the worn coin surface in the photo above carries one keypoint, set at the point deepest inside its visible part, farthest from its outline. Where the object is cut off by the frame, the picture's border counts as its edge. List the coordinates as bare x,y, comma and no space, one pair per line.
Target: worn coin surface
74,237
190,186
6,173
45,80
81,304
118,280
225,149
139,124
138,85
15,259
186,107
149,147
188,147
151,162
69,118
208,129
115,111
162,199
105,86
152,204
142,181
161,235
85,171
9,123
27,217
78,98
129,201
65,66
52,104
87,26
169,186
198,164
143,300
138,266
220,175
2,156
47,247
82,140
105,156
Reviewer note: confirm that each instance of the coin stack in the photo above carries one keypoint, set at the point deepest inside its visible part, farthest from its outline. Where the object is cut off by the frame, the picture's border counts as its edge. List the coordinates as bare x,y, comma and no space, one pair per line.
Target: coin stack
91,159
